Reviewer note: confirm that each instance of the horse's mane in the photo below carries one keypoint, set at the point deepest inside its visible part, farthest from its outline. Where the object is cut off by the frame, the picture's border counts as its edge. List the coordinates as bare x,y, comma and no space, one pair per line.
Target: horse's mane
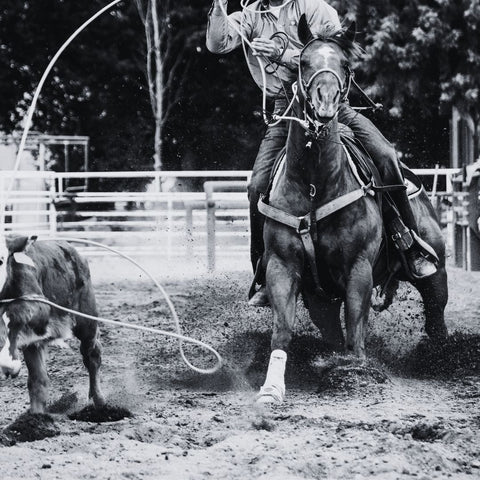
330,34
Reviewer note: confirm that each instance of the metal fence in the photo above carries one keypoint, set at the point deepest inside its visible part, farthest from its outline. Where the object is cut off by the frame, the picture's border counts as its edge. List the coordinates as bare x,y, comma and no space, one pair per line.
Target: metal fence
206,215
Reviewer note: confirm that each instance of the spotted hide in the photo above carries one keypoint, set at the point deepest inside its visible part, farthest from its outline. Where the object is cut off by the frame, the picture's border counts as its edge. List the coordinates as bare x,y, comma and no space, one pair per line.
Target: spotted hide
56,271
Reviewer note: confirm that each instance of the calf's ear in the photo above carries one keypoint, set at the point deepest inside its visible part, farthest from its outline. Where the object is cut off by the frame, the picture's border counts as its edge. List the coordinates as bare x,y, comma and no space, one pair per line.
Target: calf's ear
19,244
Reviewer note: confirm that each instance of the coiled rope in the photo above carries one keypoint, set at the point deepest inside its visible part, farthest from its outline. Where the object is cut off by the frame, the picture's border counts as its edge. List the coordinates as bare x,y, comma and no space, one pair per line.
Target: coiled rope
181,338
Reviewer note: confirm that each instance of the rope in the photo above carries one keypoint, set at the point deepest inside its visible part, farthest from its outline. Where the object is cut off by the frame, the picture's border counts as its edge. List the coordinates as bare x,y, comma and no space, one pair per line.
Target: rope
246,41
6,194
180,337
178,334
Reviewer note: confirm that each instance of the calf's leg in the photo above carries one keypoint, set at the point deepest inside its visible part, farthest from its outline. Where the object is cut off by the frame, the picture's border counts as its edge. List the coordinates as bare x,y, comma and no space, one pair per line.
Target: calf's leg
35,359
90,347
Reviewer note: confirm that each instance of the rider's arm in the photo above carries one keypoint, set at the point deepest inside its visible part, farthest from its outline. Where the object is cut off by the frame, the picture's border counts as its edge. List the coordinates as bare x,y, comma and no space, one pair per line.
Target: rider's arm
222,37
320,15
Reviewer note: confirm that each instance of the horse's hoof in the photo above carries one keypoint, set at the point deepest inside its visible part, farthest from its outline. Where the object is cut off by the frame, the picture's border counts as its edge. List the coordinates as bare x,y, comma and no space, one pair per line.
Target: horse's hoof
270,394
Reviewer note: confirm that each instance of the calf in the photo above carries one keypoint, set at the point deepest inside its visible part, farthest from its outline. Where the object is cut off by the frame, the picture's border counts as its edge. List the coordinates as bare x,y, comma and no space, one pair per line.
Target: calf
56,271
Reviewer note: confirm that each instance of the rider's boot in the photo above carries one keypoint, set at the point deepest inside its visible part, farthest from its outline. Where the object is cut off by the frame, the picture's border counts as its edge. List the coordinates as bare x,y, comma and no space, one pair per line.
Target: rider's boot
420,258
258,298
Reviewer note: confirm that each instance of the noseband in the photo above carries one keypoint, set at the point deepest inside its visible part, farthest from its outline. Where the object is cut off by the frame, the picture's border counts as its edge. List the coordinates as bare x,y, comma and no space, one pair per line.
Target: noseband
344,87
305,86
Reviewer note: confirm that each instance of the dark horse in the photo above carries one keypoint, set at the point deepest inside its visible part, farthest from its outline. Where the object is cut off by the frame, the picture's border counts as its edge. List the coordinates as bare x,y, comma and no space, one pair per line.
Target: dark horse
347,241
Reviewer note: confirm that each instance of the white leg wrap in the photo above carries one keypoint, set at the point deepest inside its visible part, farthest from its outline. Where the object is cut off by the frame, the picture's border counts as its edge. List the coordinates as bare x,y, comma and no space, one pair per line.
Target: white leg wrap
273,389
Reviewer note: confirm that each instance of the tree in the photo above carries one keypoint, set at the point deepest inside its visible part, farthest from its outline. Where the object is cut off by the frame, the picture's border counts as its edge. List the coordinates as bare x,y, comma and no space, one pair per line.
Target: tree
422,57
457,27
170,32
96,88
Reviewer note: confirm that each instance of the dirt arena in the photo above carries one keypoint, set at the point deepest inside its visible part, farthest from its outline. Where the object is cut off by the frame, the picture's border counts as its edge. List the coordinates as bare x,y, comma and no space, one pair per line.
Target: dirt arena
413,412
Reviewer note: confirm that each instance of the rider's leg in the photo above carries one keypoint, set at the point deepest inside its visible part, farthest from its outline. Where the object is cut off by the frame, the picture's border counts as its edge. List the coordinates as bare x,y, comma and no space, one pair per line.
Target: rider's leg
385,158
273,141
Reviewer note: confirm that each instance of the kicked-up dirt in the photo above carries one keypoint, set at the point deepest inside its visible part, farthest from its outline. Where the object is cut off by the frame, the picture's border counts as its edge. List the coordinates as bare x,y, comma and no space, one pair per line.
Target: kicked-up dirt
412,411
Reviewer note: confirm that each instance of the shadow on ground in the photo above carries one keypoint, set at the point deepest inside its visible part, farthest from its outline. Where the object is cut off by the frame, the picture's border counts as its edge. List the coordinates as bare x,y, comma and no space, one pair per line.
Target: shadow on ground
458,355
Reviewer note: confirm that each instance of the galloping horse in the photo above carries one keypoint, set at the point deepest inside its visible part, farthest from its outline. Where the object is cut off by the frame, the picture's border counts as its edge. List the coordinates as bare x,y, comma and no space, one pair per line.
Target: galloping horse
323,229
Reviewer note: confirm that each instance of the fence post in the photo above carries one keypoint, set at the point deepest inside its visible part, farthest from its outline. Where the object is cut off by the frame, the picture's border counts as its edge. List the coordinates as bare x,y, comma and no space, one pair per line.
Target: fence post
52,210
473,212
211,226
450,212
169,227
189,229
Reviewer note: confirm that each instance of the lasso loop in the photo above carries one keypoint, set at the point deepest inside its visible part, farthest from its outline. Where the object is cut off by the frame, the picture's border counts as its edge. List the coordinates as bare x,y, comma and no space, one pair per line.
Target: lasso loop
181,338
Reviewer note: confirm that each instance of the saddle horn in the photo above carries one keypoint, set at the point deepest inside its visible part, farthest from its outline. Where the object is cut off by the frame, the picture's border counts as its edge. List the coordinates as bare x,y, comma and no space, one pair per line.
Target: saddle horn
304,32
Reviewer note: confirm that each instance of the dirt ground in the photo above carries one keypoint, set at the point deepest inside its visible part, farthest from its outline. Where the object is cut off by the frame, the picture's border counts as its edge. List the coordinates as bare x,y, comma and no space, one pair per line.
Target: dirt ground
412,412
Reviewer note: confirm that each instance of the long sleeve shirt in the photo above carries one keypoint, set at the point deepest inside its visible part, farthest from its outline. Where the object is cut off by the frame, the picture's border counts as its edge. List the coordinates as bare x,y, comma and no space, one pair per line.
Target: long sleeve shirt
256,21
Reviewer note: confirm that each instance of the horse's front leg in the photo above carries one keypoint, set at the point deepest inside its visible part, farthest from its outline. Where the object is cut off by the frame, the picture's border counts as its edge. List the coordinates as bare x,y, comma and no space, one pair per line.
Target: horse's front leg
357,306
282,287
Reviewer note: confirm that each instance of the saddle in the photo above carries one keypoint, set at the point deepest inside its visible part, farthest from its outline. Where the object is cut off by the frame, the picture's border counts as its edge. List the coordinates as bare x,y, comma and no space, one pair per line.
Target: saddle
369,179
360,163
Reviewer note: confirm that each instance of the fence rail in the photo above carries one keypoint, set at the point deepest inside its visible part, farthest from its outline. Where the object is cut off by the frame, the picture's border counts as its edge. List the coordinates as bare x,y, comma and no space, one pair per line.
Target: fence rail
208,222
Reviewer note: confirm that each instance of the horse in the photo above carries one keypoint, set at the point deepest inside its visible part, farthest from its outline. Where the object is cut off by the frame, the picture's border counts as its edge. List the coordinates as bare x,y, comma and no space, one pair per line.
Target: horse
339,256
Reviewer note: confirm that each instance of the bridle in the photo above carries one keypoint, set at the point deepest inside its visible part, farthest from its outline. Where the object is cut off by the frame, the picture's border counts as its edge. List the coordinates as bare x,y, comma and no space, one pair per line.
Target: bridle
315,127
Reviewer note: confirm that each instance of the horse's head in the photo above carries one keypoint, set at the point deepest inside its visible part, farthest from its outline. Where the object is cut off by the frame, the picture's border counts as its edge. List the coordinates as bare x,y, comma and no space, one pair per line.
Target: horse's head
324,68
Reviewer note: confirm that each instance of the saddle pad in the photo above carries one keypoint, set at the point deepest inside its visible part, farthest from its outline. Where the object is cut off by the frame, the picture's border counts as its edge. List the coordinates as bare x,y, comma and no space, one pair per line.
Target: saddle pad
279,168
413,183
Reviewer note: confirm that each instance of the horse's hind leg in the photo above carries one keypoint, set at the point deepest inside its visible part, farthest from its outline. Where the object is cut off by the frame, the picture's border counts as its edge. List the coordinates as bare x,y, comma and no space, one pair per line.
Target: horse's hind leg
87,332
434,292
282,287
326,316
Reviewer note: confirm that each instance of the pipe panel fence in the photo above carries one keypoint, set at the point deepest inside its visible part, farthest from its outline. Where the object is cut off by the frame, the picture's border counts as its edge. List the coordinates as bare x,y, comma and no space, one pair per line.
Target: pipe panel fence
179,214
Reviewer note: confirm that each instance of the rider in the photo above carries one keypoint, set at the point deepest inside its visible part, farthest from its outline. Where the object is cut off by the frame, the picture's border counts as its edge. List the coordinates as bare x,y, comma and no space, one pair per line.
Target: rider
260,22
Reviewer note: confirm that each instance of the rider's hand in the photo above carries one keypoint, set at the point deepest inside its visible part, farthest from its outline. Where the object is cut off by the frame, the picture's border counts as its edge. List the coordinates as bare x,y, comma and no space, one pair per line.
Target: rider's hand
266,47
216,4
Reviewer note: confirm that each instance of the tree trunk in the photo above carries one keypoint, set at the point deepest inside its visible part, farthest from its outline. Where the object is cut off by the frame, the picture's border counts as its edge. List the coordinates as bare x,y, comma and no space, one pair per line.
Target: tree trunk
158,111
476,136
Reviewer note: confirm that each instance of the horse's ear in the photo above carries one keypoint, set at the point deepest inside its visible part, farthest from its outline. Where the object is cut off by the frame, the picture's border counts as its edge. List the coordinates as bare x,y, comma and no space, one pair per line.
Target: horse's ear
351,32
304,32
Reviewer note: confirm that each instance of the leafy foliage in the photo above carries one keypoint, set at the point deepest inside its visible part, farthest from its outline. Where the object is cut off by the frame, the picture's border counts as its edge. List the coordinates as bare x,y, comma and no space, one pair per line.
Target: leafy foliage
421,57
91,83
